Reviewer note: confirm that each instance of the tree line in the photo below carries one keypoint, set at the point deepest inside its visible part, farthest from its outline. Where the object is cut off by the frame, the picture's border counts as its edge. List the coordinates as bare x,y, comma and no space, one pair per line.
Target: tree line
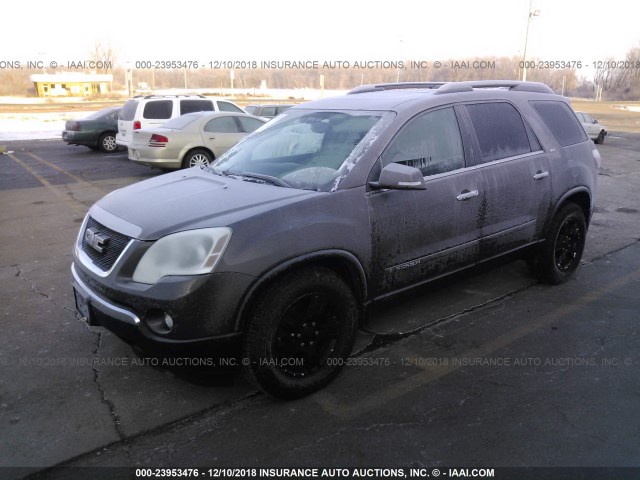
618,80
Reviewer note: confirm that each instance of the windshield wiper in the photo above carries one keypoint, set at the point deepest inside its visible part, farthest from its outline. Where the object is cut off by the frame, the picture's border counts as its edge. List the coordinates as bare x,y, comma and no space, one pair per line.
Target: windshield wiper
259,176
215,171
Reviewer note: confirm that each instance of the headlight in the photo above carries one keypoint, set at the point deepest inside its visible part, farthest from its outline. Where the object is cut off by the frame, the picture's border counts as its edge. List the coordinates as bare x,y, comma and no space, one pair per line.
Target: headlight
193,252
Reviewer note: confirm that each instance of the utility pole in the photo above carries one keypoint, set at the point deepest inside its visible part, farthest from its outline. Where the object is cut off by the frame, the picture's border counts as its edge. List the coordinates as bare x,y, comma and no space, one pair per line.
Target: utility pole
532,13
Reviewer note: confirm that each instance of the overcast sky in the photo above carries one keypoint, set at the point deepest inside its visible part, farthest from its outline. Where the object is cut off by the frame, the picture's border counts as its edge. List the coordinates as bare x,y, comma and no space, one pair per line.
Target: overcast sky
586,30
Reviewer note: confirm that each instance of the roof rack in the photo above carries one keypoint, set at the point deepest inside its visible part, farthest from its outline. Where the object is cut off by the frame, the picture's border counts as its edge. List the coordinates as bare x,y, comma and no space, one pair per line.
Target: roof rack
394,86
453,87
169,96
515,85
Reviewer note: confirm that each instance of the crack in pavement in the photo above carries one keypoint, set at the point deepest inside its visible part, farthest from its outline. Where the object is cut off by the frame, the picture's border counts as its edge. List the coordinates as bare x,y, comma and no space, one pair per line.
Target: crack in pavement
103,394
34,287
72,196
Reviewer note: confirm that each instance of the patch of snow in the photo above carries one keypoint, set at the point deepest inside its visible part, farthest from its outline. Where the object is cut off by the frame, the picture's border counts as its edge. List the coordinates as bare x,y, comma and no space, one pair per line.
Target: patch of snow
35,126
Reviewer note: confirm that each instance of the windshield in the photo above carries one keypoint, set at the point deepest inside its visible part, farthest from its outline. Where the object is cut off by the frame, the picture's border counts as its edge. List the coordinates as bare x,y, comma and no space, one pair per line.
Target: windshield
303,149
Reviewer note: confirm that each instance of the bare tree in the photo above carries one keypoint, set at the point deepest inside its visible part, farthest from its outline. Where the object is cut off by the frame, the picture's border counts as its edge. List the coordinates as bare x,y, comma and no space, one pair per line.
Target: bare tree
105,55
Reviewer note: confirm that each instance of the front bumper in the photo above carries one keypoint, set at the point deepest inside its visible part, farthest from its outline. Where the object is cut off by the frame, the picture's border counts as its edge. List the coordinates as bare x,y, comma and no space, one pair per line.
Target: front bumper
128,324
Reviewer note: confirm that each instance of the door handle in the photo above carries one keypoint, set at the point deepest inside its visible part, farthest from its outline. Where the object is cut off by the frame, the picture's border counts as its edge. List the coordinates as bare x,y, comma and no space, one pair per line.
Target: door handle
540,175
212,138
466,194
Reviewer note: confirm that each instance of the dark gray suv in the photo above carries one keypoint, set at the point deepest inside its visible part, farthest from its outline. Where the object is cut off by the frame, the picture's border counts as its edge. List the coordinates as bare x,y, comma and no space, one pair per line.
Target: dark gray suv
268,257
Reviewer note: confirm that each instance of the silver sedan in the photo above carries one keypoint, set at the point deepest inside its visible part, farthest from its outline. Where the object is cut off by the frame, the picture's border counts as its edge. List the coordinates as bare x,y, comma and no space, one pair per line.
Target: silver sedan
194,139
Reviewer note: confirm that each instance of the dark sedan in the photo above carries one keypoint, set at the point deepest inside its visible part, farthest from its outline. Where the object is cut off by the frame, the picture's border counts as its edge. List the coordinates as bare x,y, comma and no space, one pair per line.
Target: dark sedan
97,131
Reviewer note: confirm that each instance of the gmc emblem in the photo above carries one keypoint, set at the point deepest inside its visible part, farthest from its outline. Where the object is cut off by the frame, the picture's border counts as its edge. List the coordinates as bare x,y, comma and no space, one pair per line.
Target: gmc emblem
96,240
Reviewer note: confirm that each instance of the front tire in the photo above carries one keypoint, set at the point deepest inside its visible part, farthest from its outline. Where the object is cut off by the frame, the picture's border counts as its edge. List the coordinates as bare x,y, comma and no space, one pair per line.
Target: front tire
561,252
197,158
600,139
300,333
107,143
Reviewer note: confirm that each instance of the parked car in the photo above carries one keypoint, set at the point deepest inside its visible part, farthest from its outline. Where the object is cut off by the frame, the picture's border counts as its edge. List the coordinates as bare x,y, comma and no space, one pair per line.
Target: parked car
266,111
154,110
593,128
194,139
97,131
270,254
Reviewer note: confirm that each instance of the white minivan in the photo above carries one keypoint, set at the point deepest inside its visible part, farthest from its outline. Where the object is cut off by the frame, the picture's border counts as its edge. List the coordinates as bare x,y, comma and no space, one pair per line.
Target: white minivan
154,110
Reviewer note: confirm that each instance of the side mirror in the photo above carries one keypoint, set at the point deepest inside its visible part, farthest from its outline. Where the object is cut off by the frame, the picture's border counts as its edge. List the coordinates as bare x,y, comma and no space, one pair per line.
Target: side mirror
595,121
396,176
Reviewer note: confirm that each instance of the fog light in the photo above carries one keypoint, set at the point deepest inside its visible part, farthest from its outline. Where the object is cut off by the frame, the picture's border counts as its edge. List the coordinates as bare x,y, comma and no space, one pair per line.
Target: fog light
159,322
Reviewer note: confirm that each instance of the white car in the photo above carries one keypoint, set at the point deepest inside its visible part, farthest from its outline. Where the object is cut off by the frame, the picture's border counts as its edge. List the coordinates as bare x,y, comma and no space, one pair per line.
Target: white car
194,139
595,131
154,110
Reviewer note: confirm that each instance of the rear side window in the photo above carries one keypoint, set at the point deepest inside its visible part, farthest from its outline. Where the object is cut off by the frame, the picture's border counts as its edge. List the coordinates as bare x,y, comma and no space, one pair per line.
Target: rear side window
229,107
430,142
252,109
128,112
249,124
561,121
158,109
190,106
221,125
500,130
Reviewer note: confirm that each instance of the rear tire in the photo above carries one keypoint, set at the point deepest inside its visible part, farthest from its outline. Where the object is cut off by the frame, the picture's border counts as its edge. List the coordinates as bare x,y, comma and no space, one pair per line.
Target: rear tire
197,158
300,333
560,254
107,143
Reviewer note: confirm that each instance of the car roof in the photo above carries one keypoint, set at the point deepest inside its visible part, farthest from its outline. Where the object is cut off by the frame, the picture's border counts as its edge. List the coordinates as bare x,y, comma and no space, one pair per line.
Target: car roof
390,96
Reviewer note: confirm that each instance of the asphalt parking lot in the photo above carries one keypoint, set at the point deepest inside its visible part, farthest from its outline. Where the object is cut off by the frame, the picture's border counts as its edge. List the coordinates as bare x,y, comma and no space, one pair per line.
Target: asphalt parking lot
485,369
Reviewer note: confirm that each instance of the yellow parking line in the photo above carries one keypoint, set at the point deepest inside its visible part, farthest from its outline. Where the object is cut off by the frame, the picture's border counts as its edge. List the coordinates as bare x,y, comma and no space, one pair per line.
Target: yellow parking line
46,183
430,373
69,174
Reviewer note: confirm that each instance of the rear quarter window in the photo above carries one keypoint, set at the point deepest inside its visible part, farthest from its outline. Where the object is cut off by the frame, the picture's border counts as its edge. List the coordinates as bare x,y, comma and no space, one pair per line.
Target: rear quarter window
559,118
158,109
229,107
500,130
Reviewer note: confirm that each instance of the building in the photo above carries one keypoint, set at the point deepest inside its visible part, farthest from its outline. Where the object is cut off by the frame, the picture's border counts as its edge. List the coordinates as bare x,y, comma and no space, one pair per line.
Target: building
70,84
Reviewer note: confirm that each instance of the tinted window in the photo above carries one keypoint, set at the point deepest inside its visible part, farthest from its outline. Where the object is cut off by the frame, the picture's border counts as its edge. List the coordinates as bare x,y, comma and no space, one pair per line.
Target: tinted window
249,124
268,112
158,109
252,109
561,121
229,107
221,125
128,111
282,108
500,130
430,142
189,106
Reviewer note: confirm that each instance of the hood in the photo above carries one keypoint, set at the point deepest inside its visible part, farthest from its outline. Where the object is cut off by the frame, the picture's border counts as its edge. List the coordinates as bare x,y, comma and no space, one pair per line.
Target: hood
193,198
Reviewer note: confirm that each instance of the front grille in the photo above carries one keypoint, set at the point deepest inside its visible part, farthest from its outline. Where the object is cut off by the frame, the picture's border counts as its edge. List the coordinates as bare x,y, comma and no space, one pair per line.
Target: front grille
112,248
